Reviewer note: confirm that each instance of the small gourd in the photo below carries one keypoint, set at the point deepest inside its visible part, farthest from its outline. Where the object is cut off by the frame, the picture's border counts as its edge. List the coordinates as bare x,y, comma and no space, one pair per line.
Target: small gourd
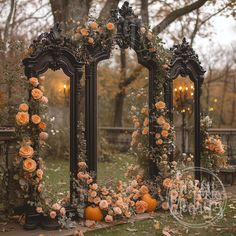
93,213
152,202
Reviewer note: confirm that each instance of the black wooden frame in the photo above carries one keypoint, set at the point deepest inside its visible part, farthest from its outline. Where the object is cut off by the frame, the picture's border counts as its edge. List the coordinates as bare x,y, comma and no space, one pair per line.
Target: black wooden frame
128,36
53,51
185,62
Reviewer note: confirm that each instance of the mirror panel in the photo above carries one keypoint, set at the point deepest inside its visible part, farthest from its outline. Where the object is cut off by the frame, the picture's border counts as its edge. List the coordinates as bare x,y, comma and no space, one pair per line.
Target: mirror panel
57,152
183,116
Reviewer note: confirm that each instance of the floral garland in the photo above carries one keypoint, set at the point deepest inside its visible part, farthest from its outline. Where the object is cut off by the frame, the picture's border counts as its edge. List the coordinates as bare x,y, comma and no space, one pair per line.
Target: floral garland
212,148
164,137
29,163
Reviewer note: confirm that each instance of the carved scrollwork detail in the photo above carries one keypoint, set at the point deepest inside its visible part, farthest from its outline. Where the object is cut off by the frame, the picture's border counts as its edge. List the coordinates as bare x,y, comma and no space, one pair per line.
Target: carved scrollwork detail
185,62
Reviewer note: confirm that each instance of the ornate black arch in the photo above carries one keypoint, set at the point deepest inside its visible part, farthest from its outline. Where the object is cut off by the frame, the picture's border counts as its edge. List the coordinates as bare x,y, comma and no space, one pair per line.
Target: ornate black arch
54,51
185,62
128,35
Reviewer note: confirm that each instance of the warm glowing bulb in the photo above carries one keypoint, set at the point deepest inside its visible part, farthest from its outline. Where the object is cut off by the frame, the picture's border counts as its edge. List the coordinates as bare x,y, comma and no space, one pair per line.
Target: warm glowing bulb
215,100
191,87
186,88
64,86
180,87
191,94
175,89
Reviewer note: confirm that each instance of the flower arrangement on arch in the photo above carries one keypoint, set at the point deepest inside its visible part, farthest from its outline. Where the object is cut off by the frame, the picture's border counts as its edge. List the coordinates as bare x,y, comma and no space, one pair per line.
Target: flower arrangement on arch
212,148
164,136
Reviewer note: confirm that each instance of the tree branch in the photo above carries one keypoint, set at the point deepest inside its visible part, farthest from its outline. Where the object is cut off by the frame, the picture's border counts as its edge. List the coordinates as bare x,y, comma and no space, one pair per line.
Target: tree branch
176,14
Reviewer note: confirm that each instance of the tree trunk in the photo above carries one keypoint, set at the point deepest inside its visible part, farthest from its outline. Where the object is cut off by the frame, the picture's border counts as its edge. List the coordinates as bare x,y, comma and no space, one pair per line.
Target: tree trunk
119,98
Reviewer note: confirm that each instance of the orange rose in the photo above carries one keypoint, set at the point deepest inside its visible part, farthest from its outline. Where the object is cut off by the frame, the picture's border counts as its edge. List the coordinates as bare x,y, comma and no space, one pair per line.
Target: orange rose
144,189
145,131
22,118
110,26
90,40
43,136
93,25
23,107
141,207
34,81
146,122
166,126
35,119
160,120
29,165
159,142
164,133
26,151
84,32
42,125
36,93
160,105
144,110
167,183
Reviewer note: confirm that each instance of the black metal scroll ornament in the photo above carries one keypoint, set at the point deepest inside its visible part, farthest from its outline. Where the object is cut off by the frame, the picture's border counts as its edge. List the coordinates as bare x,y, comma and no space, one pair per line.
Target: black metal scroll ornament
54,51
185,62
128,36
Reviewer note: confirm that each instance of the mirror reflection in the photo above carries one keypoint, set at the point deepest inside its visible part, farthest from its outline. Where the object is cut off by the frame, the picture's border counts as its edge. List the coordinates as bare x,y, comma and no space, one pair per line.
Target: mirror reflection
122,87
57,152
183,116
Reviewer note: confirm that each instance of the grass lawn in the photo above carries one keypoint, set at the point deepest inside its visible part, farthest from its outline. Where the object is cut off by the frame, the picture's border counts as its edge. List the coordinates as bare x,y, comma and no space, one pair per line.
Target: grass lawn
57,172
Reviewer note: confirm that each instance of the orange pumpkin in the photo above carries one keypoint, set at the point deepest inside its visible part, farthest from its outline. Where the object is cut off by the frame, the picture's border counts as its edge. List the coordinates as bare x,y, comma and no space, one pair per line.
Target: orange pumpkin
93,213
152,202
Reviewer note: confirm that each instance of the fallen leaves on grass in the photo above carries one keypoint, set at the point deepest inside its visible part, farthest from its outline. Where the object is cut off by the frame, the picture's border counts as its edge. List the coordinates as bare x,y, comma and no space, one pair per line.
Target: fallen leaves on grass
131,230
156,224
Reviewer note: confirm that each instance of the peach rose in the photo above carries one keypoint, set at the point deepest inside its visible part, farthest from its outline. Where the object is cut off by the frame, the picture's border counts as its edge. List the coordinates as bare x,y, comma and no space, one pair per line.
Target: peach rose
144,189
164,133
146,122
53,214
160,105
22,118
39,173
141,207
117,210
44,100
93,25
110,26
157,136
43,136
167,183
103,204
108,219
42,125
93,194
165,206
127,214
63,211
34,81
82,165
23,107
143,30
160,120
104,191
135,134
96,200
56,206
166,126
40,188
145,131
144,110
84,32
94,186
136,125
90,40
39,210
159,142
26,151
36,93
35,119
29,165
149,35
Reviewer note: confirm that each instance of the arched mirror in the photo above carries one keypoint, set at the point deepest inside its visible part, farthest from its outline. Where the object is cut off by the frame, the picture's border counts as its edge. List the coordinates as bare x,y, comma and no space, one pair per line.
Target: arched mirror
129,34
54,71
119,79
183,90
